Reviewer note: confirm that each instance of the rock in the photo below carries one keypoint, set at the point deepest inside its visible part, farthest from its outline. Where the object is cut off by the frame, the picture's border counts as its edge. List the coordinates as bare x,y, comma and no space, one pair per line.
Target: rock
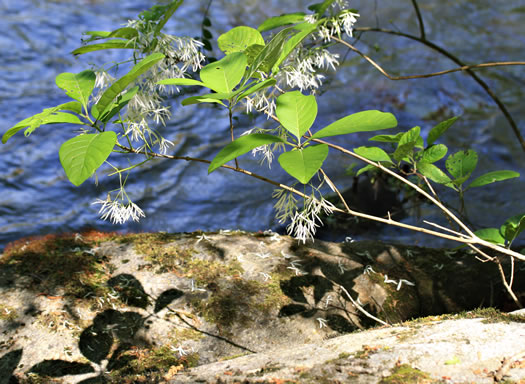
234,306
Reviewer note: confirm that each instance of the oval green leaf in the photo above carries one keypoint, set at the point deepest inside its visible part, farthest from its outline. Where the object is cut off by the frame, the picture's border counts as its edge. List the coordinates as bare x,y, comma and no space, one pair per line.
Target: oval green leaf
461,164
373,153
240,146
82,155
440,129
358,122
78,86
492,177
223,75
388,138
257,87
238,39
296,112
434,153
435,174
45,117
304,163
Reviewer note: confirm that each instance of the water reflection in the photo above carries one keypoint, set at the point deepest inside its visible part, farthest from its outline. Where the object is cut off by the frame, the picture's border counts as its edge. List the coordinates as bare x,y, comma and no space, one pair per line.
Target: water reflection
180,196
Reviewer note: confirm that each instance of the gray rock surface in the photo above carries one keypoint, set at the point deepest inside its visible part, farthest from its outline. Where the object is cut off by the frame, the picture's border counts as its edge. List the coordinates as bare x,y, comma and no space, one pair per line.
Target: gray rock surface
237,307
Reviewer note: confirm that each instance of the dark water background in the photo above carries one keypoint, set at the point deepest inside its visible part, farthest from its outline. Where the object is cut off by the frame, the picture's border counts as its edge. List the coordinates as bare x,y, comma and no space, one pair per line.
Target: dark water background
37,36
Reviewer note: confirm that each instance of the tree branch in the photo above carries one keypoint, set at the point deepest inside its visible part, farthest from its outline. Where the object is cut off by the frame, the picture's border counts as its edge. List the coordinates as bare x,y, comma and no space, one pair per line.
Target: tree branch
450,56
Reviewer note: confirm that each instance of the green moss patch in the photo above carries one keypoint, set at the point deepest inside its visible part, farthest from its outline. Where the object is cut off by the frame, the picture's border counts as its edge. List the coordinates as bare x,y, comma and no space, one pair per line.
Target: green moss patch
406,374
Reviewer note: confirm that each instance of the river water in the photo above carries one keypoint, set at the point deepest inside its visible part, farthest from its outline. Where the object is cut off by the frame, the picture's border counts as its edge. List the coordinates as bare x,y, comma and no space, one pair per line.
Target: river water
36,198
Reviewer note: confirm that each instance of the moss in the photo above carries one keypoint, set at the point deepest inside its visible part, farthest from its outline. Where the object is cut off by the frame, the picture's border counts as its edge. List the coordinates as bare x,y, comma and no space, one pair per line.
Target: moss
405,374
60,265
184,334
490,315
148,365
343,355
7,313
206,272
156,248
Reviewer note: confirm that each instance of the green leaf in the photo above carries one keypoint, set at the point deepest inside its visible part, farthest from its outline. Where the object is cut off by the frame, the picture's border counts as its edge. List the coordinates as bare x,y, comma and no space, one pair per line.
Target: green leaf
492,177
110,44
435,174
304,163
440,129
412,136
223,75
107,98
373,153
238,39
48,116
72,106
434,153
181,81
78,86
167,15
82,155
407,142
366,168
120,103
388,138
257,87
490,234
364,121
304,30
270,53
513,227
296,112
279,21
252,52
461,164
240,146
208,98
320,8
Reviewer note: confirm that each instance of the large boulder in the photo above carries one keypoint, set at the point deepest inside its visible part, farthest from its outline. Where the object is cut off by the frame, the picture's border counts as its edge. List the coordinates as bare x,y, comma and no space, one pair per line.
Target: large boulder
97,307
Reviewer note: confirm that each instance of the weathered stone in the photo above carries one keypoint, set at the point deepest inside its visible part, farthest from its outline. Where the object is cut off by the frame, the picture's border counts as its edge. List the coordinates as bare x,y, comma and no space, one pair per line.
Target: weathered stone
120,308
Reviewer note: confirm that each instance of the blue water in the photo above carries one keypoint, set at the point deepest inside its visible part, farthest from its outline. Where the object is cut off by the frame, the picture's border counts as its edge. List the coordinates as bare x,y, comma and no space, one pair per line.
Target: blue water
37,36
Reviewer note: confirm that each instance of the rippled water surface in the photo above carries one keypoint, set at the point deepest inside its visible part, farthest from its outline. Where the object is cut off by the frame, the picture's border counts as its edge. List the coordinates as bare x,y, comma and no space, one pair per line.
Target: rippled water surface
36,198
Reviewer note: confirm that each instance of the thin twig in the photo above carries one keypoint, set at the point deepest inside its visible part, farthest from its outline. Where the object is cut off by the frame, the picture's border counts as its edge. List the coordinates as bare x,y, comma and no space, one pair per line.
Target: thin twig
360,308
481,82
336,190
420,20
426,75
444,228
507,287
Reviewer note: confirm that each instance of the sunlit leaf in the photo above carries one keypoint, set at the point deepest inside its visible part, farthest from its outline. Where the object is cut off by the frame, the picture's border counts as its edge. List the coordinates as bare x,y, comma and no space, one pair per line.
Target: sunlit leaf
461,164
78,86
238,39
434,153
110,44
358,122
492,177
435,174
110,94
304,163
279,21
270,53
373,154
490,234
120,103
48,116
440,129
181,81
240,146
296,112
223,75
257,87
366,168
513,227
82,155
388,138
305,29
